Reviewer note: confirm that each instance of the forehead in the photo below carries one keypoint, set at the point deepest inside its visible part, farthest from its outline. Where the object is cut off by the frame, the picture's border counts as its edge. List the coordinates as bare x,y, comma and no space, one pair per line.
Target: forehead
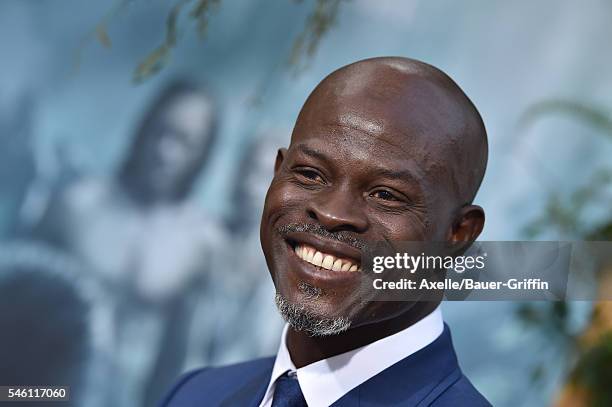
418,125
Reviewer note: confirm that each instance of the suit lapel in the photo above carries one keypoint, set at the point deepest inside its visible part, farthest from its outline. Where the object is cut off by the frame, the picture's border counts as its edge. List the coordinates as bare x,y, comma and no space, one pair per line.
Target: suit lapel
251,394
409,381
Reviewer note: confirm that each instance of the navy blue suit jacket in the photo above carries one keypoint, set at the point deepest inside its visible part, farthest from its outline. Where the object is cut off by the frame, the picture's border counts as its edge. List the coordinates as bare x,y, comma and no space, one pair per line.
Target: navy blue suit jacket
429,377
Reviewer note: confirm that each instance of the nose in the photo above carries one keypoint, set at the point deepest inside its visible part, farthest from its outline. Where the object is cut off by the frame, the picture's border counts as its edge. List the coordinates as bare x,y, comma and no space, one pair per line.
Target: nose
338,210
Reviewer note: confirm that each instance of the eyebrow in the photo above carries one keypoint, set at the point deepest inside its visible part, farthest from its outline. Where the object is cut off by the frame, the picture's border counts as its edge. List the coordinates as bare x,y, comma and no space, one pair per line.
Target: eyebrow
401,175
311,152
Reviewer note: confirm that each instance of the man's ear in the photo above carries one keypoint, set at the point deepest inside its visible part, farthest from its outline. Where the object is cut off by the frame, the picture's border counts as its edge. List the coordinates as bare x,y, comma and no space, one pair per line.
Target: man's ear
467,226
280,157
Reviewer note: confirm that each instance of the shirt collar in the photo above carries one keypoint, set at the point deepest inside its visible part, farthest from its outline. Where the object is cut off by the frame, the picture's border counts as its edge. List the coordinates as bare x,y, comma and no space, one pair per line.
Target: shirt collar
326,381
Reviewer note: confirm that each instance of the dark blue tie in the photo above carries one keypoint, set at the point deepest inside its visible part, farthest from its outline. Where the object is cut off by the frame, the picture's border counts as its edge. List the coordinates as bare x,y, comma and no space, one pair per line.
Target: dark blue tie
287,392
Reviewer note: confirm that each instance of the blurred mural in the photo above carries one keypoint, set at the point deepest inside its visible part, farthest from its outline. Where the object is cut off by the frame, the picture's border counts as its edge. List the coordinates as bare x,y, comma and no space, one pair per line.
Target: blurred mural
138,234
137,140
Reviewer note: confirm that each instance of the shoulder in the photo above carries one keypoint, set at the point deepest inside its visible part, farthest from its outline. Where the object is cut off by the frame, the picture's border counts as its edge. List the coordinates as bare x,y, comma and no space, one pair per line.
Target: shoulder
460,393
212,385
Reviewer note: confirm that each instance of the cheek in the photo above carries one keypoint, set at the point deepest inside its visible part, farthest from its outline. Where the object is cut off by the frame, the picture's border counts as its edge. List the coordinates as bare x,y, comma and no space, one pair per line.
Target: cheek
283,198
400,227
278,204
274,202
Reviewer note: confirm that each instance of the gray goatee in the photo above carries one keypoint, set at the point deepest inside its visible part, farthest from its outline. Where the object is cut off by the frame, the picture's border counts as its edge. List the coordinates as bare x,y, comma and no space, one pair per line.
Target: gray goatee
302,319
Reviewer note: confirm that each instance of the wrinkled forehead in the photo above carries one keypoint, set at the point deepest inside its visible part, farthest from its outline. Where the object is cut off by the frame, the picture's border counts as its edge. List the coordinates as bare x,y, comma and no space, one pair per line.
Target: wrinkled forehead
420,120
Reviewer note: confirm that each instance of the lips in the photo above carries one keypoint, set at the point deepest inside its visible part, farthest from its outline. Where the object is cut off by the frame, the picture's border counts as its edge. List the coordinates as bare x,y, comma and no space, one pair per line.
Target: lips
324,260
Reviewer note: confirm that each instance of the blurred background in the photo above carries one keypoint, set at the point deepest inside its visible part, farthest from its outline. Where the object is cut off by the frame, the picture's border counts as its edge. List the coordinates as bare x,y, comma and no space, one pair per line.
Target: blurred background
137,139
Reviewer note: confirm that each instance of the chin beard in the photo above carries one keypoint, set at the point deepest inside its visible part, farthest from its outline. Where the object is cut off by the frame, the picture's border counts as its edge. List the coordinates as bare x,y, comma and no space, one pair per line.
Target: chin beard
302,319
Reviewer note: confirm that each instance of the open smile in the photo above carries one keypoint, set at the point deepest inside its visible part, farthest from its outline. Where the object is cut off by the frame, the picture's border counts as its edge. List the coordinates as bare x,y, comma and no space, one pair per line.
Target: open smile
324,260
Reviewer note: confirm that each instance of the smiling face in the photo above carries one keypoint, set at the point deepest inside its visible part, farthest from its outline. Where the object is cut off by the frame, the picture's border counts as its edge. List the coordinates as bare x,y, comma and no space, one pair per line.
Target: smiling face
378,153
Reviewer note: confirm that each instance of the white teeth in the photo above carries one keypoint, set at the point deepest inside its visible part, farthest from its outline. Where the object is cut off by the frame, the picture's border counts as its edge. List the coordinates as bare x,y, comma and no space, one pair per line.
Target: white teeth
317,260
327,261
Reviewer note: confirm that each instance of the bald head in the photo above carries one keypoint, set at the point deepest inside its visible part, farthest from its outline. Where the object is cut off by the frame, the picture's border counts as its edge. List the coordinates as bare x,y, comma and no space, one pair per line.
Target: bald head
412,105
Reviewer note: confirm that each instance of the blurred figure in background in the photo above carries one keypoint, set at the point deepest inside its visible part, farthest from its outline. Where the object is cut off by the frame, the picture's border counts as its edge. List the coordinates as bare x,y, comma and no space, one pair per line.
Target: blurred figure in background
247,285
146,241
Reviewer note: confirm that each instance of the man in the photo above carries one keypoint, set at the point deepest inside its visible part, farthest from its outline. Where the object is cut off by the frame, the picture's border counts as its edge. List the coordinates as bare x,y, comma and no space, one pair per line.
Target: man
385,149
136,229
246,285
142,237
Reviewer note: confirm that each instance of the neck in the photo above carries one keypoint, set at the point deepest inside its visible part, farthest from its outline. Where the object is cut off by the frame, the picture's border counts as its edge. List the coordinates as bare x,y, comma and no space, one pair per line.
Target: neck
305,349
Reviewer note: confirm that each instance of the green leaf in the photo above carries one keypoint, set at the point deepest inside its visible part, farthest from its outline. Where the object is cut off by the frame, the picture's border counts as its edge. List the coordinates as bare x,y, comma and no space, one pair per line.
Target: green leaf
102,35
318,23
171,23
152,64
201,13
594,116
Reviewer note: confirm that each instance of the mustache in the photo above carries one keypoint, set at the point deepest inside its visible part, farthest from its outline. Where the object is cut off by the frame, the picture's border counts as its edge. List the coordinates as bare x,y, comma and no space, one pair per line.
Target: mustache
315,229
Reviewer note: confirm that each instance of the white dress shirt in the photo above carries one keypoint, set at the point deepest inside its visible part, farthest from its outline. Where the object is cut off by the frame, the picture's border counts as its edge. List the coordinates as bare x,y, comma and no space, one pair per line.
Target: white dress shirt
326,381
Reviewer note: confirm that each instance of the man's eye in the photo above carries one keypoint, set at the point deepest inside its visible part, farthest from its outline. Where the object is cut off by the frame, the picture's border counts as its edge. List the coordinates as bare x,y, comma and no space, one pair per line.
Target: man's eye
384,195
309,174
